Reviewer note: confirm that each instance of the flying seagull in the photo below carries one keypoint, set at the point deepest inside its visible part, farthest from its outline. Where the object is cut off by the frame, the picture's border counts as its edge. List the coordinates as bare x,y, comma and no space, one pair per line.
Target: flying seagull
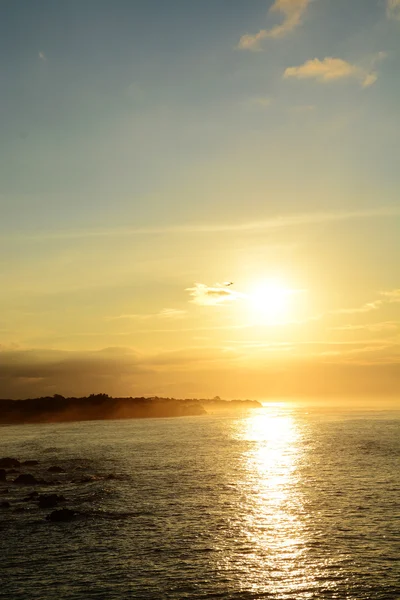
228,283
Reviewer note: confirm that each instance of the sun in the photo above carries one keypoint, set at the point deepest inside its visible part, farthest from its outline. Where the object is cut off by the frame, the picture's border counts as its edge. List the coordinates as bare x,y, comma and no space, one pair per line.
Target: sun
270,303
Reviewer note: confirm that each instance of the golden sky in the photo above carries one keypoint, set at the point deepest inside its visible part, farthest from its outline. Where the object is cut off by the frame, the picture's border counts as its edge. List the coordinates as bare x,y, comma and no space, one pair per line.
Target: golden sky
201,200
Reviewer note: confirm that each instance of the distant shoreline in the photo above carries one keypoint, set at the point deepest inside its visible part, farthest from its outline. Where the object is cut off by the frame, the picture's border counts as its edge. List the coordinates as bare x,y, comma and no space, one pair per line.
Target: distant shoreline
59,409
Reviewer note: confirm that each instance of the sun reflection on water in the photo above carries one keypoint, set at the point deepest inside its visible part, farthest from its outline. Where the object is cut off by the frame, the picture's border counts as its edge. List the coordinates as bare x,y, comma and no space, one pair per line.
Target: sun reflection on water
271,465
273,521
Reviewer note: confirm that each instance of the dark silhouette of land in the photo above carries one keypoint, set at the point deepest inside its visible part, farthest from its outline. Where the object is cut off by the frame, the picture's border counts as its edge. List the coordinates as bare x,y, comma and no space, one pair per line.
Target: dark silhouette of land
58,409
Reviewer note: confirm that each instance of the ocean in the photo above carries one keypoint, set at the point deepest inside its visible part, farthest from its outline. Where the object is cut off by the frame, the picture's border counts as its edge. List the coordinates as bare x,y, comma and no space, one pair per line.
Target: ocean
278,503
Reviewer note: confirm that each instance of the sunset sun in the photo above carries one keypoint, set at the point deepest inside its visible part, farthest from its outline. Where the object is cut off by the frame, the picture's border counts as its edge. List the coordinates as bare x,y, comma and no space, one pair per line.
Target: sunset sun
270,302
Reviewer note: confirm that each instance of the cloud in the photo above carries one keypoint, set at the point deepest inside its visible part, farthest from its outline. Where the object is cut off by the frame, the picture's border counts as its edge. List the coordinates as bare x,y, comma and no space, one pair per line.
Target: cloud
219,293
165,313
391,295
205,295
28,373
260,101
42,364
377,349
365,308
197,357
171,313
332,69
352,370
393,9
371,327
280,221
42,56
31,373
131,316
386,297
292,11
370,79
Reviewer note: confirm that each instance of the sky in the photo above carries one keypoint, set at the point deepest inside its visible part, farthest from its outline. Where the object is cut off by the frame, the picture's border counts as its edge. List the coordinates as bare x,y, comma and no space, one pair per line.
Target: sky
200,198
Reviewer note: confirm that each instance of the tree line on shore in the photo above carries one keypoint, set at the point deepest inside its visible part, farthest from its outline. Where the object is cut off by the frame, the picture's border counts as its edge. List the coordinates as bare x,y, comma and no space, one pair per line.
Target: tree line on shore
58,408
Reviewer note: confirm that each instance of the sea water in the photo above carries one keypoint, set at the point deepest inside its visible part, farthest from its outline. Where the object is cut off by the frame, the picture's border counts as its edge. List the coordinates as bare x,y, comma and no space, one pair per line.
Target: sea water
275,503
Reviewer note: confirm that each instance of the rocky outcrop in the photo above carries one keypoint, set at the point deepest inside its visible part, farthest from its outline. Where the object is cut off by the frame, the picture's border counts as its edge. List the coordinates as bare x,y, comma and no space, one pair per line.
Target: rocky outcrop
9,463
26,479
32,500
61,516
50,500
56,469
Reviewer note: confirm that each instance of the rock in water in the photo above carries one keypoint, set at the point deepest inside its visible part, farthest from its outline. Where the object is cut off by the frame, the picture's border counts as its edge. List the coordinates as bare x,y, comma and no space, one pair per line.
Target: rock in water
30,463
56,470
5,504
61,516
3,474
9,463
50,500
26,479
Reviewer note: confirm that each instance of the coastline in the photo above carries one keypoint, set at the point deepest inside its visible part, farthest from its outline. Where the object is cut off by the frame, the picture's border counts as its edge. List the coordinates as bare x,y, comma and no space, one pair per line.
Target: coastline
58,409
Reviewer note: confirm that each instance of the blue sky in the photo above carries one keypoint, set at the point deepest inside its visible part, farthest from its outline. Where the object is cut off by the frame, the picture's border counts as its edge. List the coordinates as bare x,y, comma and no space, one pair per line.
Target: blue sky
149,145
130,96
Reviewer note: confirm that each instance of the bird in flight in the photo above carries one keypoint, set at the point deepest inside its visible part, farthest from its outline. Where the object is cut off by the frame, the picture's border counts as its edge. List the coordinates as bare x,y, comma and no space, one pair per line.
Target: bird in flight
228,283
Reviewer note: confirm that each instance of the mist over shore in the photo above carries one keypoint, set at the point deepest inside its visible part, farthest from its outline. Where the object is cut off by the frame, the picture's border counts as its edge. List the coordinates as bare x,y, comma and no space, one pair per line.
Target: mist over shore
58,409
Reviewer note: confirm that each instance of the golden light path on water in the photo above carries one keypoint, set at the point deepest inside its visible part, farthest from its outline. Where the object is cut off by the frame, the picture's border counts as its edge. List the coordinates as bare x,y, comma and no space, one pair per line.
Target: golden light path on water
273,518
274,503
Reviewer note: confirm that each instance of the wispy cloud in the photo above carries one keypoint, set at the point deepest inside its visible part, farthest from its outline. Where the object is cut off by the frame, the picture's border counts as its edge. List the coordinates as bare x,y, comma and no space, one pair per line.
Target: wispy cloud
385,297
222,293
371,327
333,69
42,56
277,222
365,308
393,9
171,313
375,348
391,296
260,101
206,295
292,12
165,313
